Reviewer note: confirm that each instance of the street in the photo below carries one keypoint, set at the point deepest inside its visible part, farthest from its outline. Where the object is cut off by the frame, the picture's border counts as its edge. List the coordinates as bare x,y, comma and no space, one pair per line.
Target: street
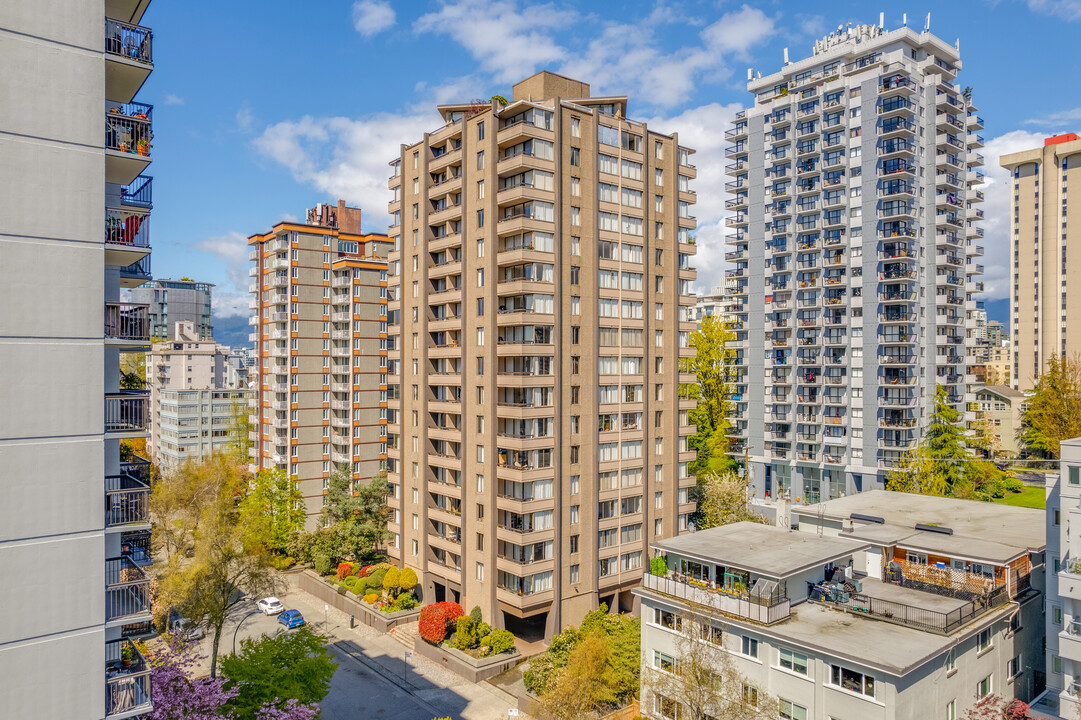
372,679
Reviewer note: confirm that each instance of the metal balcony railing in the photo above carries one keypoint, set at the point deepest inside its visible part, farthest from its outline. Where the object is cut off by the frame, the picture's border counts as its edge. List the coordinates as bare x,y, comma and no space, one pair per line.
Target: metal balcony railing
127,321
127,680
126,411
127,500
124,227
128,41
139,192
129,128
127,589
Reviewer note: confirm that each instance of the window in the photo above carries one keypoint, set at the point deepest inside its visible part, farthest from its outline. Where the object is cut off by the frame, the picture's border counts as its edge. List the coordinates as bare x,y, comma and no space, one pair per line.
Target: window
576,127
792,711
749,647
951,710
983,687
662,661
792,660
853,681
750,695
480,160
575,156
1013,667
480,136
983,642
951,660
573,573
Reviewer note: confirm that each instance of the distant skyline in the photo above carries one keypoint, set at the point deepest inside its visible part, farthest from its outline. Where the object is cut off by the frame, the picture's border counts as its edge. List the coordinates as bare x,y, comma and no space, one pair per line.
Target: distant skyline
264,110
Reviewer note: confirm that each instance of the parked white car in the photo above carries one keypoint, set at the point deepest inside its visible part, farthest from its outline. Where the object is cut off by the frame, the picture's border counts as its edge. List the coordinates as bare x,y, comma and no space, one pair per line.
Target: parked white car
270,606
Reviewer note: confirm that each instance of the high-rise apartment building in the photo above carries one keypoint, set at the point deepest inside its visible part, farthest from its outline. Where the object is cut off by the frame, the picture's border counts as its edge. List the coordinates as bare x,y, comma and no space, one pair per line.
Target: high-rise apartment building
1046,201
173,301
855,237
320,381
540,315
74,206
194,410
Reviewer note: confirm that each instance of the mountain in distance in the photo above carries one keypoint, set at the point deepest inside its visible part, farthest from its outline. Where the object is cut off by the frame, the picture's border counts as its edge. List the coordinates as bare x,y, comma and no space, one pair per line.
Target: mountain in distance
232,331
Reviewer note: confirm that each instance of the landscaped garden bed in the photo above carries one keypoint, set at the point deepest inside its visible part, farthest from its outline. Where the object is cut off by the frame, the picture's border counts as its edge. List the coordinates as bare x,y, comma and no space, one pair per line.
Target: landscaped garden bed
465,643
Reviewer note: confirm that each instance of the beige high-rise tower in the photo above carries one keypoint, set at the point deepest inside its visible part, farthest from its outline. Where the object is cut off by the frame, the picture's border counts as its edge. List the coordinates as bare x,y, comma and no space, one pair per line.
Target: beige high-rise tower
1046,212
319,317
540,309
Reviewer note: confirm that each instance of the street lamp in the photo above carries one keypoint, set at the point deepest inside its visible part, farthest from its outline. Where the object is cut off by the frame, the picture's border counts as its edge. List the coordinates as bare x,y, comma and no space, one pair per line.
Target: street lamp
253,612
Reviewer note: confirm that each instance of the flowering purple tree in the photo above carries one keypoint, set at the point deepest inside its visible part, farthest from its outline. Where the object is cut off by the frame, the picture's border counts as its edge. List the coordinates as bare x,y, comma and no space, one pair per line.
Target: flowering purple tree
179,696
290,710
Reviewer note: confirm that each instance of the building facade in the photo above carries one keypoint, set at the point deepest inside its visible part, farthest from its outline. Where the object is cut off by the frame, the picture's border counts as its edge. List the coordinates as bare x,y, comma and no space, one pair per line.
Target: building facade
173,301
319,387
711,305
863,612
194,409
1000,407
75,207
855,235
1044,223
540,313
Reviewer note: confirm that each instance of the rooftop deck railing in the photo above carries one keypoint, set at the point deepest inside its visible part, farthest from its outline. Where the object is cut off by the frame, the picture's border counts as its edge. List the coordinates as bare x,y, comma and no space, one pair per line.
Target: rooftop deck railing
766,610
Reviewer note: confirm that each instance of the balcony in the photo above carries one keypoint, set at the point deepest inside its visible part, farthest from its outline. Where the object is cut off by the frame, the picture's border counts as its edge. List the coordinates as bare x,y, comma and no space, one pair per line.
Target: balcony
128,132
127,324
127,681
128,59
761,609
126,412
127,501
127,236
127,592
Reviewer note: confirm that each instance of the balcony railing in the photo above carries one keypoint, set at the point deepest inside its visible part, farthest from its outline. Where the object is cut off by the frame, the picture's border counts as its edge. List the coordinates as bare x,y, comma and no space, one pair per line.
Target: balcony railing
764,610
127,680
139,192
127,228
127,500
128,41
127,589
128,128
127,321
126,411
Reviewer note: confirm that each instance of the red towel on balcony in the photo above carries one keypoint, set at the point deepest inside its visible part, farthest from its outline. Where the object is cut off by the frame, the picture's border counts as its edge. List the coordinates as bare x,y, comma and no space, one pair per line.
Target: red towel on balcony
131,228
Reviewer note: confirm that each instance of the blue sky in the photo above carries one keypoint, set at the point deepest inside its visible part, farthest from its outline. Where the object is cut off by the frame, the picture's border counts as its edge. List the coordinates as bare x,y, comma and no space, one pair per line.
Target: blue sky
264,109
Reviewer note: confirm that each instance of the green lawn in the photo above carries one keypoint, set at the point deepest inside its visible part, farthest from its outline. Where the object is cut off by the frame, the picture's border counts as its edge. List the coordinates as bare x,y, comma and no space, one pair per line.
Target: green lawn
1030,497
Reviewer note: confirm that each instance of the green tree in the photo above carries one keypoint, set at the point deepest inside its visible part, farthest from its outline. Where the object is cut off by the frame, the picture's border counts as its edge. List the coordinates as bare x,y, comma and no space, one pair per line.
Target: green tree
941,464
180,500
224,569
132,371
713,366
272,511
357,513
581,688
290,666
239,431
1053,412
723,500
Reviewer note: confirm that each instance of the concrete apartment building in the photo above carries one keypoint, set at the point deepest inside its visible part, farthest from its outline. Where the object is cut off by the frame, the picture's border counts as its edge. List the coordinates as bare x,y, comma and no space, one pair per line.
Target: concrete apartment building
540,311
855,236
319,386
173,301
711,305
74,206
1046,207
193,406
882,606
1063,618
1000,405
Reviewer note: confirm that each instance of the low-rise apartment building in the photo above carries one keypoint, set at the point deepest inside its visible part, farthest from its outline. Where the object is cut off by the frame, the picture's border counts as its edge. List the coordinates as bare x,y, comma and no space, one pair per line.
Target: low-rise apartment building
881,606
1063,619
1000,407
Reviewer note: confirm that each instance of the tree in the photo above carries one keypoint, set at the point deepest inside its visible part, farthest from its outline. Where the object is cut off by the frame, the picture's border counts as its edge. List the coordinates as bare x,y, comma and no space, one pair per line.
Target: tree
574,694
982,437
941,464
272,511
132,371
993,707
181,499
174,691
239,431
713,366
274,670
357,513
723,500
1053,412
703,680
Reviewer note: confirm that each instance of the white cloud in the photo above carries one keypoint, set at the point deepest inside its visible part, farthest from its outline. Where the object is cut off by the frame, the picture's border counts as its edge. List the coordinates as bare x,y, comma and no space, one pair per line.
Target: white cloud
1058,119
1068,10
345,158
509,42
232,249
171,99
371,17
244,119
702,128
996,208
230,304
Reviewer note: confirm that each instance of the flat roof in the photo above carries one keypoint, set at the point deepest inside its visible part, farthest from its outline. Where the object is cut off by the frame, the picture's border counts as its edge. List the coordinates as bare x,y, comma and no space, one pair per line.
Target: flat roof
762,549
980,530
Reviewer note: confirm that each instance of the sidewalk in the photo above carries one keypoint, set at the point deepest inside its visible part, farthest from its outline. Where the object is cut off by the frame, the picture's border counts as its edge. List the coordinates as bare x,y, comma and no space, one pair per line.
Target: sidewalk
426,681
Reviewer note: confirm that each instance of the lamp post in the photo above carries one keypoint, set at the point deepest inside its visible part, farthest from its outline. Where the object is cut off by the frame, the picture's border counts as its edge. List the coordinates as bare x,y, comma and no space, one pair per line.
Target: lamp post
253,612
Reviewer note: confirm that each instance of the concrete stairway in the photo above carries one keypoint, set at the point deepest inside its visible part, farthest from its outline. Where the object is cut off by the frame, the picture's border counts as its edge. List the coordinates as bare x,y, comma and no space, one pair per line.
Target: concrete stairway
406,634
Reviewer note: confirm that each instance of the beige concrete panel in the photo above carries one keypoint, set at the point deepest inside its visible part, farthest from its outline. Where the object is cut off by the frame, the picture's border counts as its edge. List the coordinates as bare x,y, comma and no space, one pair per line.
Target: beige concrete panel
78,311
65,477
32,671
63,377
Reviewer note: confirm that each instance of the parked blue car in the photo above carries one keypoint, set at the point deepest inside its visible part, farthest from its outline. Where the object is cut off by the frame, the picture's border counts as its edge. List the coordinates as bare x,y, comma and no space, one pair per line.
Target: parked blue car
291,619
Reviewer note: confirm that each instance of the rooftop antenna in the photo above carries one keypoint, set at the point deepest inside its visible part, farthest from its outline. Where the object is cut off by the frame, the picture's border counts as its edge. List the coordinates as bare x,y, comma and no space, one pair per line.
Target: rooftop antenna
904,19
750,74
786,56
927,25
881,20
